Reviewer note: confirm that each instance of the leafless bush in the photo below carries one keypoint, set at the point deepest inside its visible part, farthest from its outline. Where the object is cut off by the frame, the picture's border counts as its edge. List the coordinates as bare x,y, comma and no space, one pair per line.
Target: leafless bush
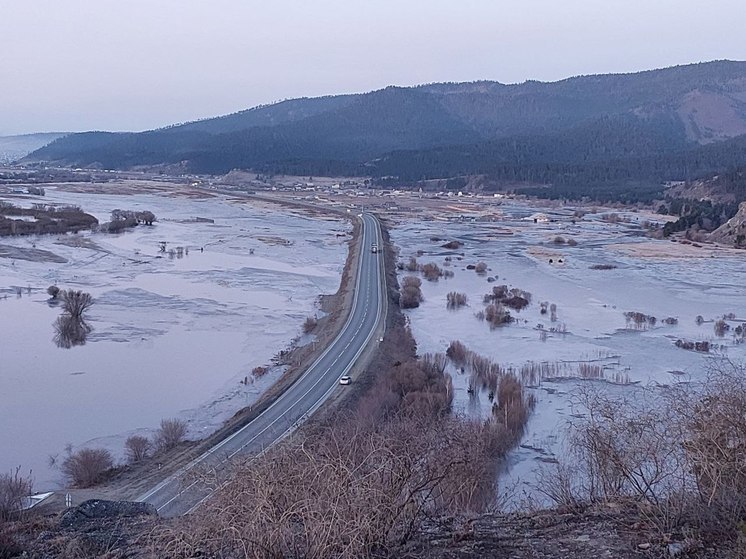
170,433
480,268
53,291
431,271
259,371
572,242
76,303
553,312
412,265
70,331
457,352
680,454
137,448
497,315
411,281
455,300
703,346
603,267
347,492
14,488
410,297
590,371
721,327
87,466
559,240
310,324
671,320
699,320
640,320
513,408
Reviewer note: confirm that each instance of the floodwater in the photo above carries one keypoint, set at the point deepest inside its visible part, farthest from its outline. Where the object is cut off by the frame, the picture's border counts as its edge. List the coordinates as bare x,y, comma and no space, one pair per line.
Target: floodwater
590,325
174,332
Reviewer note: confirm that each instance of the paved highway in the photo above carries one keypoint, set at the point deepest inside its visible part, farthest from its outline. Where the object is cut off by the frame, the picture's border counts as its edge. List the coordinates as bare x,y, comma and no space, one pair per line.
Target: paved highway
178,495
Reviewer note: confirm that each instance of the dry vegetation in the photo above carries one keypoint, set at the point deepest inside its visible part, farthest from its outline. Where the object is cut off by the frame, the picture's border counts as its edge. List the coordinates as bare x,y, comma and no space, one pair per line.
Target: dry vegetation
410,295
87,466
455,300
679,455
310,324
14,488
362,483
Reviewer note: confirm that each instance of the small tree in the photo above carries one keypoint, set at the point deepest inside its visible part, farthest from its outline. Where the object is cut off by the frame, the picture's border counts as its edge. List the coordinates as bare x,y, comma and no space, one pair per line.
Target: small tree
87,466
137,448
480,268
171,433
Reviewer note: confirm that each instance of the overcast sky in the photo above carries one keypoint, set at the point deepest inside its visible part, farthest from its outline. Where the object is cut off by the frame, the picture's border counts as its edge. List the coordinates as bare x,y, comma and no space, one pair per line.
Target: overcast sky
71,65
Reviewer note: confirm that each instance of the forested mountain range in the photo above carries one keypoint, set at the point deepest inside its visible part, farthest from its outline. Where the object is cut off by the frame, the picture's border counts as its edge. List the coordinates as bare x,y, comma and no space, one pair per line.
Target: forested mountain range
619,129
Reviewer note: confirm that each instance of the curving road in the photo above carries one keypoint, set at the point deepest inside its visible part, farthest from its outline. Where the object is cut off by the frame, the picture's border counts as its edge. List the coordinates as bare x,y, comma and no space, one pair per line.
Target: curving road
179,495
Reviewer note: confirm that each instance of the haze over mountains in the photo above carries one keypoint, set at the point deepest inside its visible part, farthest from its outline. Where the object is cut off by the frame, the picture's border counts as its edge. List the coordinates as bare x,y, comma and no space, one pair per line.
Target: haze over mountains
669,124
16,147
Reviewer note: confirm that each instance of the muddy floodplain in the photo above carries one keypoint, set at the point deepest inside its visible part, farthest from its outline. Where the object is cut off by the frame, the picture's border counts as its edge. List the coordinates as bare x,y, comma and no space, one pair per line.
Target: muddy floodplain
184,312
607,306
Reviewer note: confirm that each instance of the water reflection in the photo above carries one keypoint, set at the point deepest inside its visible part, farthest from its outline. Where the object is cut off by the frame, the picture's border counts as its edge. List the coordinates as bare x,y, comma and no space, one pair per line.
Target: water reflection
70,331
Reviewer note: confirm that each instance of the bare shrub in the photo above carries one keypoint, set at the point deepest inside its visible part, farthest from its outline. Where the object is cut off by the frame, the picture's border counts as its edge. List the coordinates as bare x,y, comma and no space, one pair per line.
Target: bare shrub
480,268
455,300
680,454
699,320
87,466
70,331
559,240
76,303
497,315
457,352
671,320
452,245
14,488
721,327
137,448
572,242
310,324
410,297
553,312
703,346
513,408
345,492
590,371
411,281
411,265
515,302
259,371
603,267
640,320
431,271
170,433
53,291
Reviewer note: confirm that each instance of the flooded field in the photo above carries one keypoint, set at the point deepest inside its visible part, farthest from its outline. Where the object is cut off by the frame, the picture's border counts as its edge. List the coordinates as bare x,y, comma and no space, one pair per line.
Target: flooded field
594,274
184,311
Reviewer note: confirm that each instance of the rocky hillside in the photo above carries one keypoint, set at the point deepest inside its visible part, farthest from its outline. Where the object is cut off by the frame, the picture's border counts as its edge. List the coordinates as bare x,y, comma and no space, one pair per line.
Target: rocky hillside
733,231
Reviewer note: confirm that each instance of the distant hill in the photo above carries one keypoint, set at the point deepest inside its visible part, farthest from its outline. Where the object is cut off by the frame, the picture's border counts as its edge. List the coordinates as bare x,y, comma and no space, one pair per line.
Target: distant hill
13,148
640,127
